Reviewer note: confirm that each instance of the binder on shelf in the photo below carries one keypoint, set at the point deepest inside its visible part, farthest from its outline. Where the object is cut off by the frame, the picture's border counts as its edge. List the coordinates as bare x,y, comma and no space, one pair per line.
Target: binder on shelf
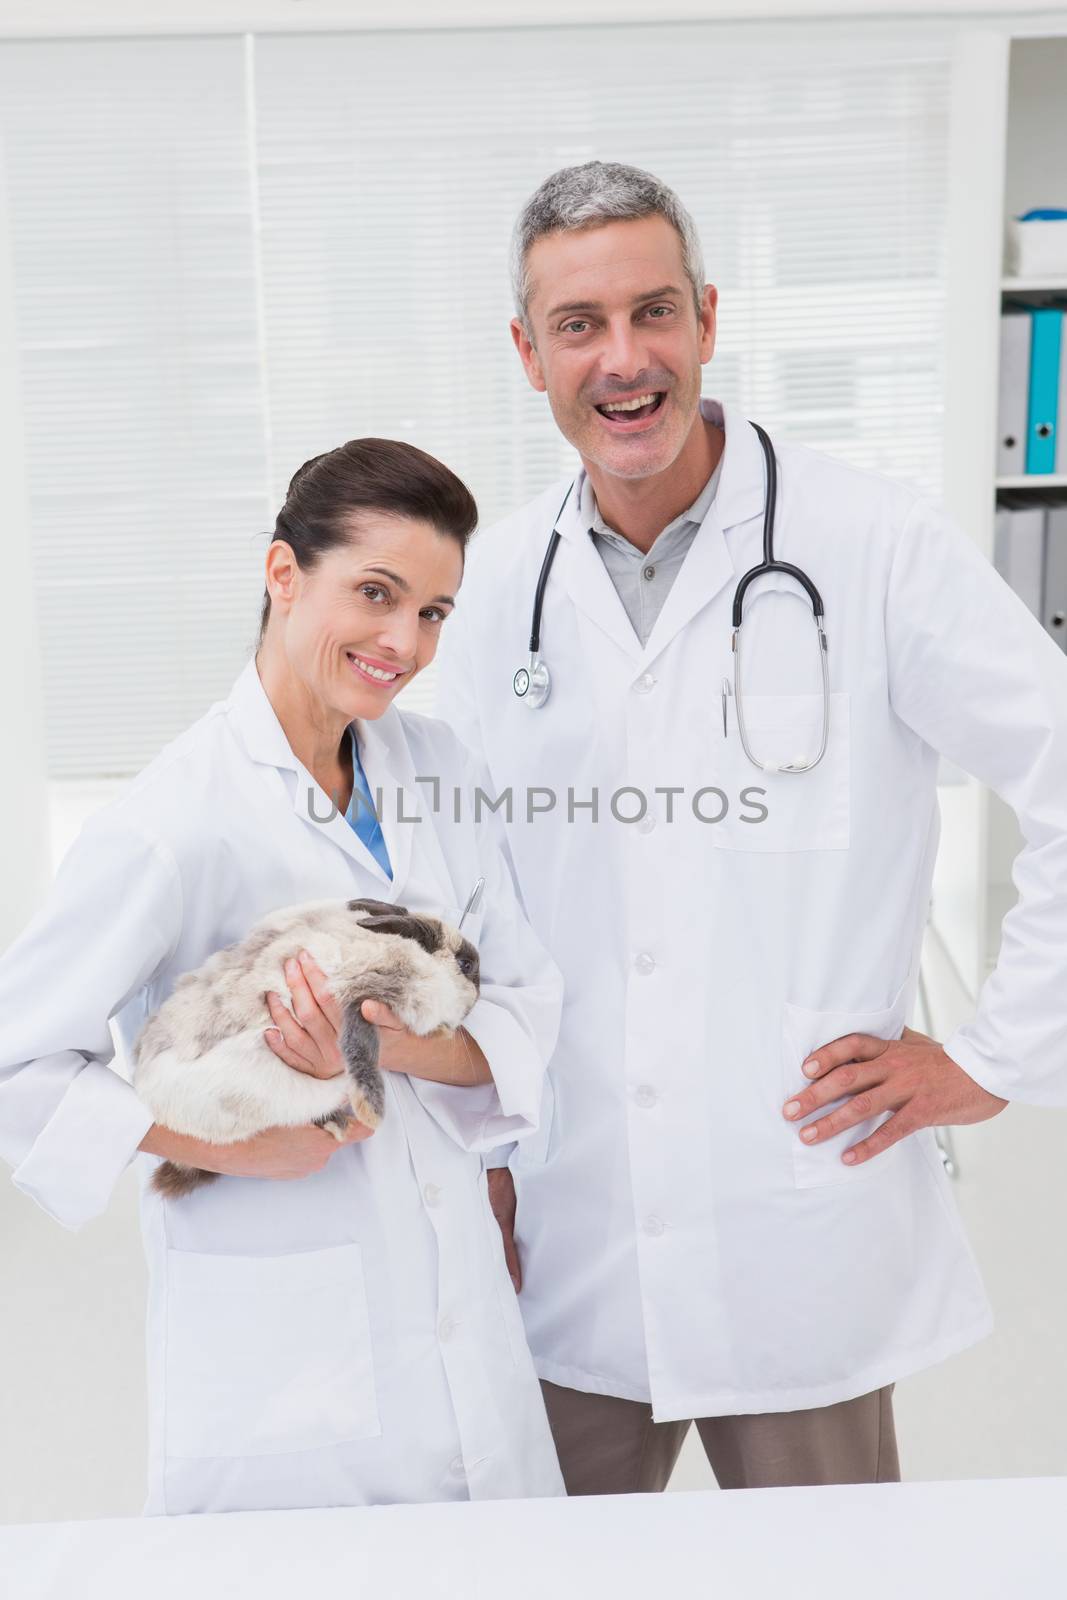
1044,390
1055,613
1019,553
1014,392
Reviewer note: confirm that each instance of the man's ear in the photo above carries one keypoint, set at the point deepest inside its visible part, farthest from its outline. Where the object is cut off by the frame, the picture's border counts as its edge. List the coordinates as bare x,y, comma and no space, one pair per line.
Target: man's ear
528,355
708,304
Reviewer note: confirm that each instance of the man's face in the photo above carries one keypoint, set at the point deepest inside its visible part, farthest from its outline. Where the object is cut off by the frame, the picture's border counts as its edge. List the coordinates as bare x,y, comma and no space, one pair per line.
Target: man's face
612,322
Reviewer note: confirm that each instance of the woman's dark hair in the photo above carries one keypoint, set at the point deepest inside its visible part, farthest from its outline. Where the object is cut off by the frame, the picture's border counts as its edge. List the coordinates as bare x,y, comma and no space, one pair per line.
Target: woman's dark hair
383,475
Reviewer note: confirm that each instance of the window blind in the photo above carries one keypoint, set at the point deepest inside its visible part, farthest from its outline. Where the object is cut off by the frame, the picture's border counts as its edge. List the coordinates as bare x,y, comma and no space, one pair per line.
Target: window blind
128,168
304,240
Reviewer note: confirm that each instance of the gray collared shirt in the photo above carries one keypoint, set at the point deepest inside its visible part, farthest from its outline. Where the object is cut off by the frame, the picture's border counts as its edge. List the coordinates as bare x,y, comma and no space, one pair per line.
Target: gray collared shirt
643,580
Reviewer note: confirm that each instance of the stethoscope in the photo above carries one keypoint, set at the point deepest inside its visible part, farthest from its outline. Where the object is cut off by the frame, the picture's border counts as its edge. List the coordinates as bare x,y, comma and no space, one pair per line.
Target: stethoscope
533,683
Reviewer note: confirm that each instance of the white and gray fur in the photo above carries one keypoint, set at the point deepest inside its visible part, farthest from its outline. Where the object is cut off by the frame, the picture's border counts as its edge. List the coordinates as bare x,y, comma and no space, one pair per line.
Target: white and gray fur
203,1067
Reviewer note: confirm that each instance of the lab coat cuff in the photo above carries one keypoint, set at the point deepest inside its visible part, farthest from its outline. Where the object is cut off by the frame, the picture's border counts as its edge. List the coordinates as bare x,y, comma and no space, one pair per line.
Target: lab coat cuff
484,1117
500,1157
74,1163
517,1068
995,1078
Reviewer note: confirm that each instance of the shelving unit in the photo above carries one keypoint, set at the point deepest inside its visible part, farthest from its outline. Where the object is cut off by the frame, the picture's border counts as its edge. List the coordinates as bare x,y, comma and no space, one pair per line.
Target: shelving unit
1033,480
1009,131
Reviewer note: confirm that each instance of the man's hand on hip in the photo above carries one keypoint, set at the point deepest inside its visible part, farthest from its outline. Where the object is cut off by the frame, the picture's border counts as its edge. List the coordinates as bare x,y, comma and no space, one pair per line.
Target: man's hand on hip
502,1200
911,1077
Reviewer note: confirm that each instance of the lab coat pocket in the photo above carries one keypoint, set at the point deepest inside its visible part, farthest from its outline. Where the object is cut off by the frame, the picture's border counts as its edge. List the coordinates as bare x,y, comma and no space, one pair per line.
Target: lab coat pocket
777,811
804,1031
472,927
267,1354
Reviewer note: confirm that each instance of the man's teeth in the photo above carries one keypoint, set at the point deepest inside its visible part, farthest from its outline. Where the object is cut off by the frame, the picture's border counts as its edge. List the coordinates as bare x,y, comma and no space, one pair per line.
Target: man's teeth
373,672
629,405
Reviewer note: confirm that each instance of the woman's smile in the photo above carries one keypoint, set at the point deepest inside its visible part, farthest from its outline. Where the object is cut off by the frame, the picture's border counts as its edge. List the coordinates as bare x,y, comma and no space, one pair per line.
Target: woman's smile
378,672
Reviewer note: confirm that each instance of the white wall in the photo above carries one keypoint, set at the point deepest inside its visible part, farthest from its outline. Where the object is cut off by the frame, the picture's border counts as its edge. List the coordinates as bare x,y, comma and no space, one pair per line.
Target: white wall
23,793
1036,168
143,16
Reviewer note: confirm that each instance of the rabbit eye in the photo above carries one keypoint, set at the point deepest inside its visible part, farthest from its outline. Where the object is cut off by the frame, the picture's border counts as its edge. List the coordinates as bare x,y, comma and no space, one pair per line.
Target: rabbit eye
466,966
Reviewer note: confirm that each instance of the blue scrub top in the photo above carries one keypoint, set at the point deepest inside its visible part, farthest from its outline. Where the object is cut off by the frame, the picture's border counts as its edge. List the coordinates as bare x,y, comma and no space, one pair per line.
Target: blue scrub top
361,816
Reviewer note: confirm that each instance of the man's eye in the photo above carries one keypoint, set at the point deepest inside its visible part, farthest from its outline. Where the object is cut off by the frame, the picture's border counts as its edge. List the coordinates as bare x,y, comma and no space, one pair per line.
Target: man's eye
577,326
654,311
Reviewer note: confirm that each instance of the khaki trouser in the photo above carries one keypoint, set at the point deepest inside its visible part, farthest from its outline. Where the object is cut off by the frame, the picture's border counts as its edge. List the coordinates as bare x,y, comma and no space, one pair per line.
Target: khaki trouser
612,1446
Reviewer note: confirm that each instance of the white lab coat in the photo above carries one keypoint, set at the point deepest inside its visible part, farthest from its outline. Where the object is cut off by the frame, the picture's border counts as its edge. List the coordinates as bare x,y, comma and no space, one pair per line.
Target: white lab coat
352,1337
680,1243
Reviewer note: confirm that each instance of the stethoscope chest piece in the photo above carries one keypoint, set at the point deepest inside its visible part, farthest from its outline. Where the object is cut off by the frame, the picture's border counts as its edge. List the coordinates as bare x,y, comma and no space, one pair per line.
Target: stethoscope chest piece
533,684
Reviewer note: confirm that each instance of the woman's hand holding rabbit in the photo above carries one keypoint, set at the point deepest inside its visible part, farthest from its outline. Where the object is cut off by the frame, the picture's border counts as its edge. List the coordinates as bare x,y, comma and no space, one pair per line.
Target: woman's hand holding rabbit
308,1040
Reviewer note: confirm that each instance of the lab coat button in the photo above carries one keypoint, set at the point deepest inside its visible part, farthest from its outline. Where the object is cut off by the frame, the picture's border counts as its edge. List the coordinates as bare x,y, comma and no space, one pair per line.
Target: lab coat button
646,824
431,1194
646,1095
644,963
456,1467
645,683
445,1329
653,1226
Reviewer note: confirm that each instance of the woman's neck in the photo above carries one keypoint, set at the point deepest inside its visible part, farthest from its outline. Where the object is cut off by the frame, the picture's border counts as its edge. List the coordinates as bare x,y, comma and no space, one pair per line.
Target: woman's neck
316,734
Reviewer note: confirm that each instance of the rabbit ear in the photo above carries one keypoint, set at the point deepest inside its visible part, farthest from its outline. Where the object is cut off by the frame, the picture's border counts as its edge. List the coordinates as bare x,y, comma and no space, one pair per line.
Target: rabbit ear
423,930
377,908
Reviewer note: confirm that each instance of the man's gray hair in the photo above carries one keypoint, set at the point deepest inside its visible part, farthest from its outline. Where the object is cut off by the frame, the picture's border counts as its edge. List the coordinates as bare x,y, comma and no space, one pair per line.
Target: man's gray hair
575,198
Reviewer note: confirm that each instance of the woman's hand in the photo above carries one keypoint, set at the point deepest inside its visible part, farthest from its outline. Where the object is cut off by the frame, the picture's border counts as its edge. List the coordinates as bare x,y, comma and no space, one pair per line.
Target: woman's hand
306,1037
275,1153
308,1041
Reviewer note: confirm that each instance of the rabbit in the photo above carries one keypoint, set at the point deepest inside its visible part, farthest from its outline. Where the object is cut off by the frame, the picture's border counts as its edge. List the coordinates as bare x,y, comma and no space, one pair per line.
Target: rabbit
202,1066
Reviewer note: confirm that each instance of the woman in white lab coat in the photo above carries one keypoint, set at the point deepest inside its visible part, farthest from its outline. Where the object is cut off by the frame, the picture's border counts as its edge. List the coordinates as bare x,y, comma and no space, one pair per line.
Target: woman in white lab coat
351,1337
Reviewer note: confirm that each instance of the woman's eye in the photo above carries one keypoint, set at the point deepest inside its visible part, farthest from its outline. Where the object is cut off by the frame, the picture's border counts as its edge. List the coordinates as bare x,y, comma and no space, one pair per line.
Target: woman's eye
434,614
374,592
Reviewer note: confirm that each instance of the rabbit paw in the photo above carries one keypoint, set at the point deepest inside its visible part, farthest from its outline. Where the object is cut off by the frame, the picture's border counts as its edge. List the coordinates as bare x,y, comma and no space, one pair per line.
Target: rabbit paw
364,1112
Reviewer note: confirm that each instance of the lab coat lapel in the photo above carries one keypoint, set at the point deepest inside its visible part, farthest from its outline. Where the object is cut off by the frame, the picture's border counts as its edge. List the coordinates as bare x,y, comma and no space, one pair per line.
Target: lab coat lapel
318,809
710,564
586,580
397,796
263,737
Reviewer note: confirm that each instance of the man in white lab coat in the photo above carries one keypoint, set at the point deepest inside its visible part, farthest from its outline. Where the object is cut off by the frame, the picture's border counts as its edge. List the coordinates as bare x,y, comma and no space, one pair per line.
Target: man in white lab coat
738,906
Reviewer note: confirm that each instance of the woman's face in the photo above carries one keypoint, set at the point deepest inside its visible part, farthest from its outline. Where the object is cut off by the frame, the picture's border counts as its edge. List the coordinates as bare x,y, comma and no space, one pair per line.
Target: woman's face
367,617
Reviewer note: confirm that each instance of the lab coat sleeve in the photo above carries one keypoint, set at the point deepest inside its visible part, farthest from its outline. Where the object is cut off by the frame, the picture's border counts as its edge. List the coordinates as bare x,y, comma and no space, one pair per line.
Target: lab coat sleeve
69,1123
517,1015
978,678
501,1156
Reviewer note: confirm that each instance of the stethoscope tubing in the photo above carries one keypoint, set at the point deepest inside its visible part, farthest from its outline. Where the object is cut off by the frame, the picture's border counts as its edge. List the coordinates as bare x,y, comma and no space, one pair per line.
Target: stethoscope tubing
533,683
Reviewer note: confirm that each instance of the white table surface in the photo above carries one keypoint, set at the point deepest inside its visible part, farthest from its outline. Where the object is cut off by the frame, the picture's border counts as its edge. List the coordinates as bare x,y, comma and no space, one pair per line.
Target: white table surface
980,1540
